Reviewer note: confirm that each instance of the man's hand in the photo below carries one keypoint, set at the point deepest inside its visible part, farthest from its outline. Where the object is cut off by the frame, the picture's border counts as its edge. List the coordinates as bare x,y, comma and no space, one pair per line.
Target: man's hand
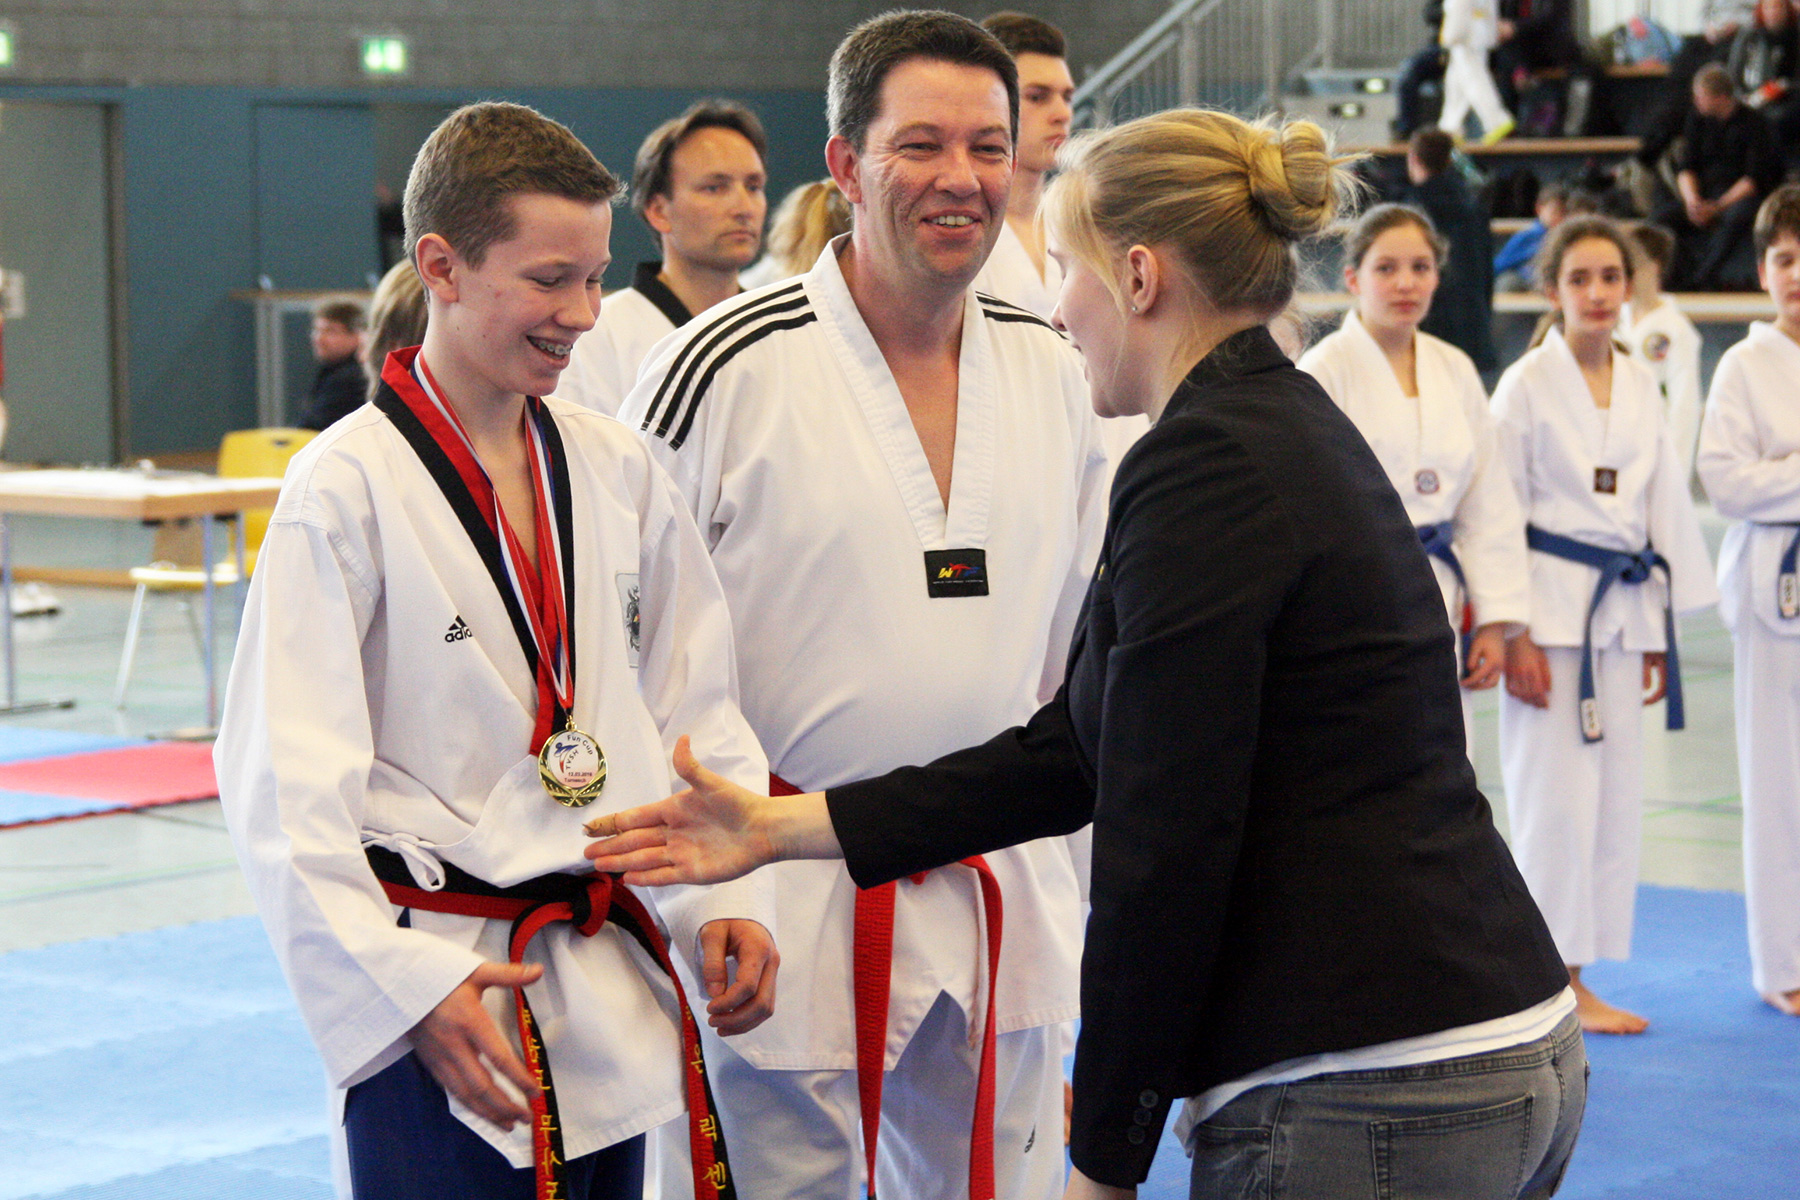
1528,671
1702,212
1082,1188
740,1004
458,1042
1487,656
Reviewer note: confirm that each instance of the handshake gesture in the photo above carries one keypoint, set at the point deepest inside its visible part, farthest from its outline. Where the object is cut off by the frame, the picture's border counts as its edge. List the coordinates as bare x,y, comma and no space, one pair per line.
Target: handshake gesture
709,833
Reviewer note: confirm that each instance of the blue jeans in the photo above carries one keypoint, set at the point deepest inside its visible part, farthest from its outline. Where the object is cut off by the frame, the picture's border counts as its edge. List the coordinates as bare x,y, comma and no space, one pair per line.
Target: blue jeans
1497,1126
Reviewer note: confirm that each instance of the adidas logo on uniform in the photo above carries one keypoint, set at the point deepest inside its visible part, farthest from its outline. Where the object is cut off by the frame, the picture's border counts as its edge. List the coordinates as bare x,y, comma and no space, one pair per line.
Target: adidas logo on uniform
459,629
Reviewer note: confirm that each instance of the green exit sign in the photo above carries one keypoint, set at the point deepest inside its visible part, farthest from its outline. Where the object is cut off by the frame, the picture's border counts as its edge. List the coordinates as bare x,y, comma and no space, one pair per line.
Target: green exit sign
384,56
6,47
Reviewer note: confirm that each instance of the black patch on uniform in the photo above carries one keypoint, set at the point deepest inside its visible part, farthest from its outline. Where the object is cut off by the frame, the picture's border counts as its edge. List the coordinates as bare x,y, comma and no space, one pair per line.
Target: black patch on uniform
1606,481
956,573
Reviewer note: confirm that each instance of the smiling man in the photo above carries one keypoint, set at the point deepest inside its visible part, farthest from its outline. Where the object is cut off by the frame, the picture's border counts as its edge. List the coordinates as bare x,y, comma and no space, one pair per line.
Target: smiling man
901,486
699,184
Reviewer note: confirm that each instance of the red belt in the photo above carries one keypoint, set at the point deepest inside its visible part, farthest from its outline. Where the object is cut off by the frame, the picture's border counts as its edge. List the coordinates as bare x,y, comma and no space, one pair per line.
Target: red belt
586,902
872,971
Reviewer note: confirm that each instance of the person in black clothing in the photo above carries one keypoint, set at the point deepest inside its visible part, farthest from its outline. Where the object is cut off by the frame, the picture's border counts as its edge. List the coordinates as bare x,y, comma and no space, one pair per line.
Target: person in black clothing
340,386
1718,29
1303,917
1762,64
1463,312
1728,162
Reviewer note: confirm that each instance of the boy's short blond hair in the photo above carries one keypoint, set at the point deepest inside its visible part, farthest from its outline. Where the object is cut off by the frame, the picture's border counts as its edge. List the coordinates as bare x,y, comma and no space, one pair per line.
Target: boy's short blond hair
480,157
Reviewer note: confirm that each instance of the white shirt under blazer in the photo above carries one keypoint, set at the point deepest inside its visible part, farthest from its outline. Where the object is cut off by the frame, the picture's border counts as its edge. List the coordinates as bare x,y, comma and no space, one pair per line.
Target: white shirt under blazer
781,423
1440,452
379,694
1554,437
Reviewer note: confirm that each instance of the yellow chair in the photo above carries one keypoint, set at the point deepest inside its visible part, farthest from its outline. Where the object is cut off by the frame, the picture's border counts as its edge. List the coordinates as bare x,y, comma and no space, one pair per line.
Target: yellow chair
244,453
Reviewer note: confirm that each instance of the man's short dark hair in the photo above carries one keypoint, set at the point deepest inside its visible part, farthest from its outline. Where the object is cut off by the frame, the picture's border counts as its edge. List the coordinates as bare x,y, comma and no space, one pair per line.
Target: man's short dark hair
1432,148
1714,80
1022,33
650,173
861,63
483,155
347,313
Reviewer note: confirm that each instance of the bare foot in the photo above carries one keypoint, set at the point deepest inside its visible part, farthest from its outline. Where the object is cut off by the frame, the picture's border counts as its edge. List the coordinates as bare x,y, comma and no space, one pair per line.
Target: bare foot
1785,1002
1597,1016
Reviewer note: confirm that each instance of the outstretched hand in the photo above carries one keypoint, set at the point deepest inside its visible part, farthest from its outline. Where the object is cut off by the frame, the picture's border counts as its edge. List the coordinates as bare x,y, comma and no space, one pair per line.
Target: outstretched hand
706,834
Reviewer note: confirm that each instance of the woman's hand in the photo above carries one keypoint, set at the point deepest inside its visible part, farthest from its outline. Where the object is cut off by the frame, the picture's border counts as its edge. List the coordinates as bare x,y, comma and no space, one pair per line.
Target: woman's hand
712,832
1528,671
1487,657
1656,676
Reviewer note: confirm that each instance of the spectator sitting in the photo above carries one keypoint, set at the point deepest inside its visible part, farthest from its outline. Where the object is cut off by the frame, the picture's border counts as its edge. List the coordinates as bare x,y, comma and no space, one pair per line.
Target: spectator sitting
1719,25
1762,63
396,318
1512,266
1727,163
340,385
1463,311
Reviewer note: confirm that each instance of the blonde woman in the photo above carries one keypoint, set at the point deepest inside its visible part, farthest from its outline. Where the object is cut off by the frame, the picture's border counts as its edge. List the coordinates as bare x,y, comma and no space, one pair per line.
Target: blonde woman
808,217
1304,923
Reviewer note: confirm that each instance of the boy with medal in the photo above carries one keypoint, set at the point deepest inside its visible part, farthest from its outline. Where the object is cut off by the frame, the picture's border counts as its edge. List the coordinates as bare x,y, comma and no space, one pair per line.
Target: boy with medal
478,609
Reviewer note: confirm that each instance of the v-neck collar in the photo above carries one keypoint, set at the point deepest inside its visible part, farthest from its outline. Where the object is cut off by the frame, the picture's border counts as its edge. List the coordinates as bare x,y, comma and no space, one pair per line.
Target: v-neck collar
973,465
647,280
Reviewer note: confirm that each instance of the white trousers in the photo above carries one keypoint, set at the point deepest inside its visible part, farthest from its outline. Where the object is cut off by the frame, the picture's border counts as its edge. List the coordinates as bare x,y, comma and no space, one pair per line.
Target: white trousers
1766,688
1467,84
1576,807
797,1135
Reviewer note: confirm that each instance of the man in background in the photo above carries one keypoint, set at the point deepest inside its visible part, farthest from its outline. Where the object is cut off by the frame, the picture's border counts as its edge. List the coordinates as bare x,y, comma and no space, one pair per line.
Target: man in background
699,184
339,387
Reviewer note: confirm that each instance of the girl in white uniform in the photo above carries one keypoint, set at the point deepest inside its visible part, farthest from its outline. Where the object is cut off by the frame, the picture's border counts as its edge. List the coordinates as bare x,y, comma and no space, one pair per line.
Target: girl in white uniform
1421,406
1616,549
1750,463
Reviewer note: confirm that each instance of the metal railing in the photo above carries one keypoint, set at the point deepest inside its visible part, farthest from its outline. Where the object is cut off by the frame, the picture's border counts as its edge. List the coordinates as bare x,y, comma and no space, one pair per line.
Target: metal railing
1239,54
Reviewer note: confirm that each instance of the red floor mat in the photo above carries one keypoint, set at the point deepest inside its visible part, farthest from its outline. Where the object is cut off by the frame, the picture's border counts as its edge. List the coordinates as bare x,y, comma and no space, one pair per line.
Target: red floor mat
132,776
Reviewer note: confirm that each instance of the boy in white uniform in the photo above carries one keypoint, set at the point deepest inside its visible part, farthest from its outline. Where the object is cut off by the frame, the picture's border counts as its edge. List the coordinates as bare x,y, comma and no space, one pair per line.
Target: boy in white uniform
1749,461
901,484
474,613
699,185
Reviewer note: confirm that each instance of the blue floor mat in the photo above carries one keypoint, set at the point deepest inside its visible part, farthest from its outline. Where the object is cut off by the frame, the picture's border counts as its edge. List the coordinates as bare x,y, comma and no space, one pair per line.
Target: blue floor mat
173,1064
21,742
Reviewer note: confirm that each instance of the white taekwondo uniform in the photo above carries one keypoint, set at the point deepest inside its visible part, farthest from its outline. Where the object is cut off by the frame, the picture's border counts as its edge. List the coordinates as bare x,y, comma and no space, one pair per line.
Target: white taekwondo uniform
1664,340
1749,461
380,695
1439,451
1574,805
607,358
779,420
1010,275
1470,30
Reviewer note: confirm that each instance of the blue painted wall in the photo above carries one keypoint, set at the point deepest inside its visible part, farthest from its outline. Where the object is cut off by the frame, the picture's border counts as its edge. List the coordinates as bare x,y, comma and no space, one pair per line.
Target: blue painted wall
190,228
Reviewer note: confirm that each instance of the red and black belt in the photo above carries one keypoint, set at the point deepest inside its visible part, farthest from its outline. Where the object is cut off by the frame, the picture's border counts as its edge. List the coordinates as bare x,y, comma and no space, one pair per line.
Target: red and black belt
872,968
586,902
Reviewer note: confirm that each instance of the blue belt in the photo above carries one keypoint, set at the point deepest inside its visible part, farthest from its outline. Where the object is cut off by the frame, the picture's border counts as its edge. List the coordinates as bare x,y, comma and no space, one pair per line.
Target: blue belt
1615,566
1435,539
1787,588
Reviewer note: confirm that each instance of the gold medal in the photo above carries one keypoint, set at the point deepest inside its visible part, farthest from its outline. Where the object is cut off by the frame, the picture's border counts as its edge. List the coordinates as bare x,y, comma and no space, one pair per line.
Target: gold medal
572,767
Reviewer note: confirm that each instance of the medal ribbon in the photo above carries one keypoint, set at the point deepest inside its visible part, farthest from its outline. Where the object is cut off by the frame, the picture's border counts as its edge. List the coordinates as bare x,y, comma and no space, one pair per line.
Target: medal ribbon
541,594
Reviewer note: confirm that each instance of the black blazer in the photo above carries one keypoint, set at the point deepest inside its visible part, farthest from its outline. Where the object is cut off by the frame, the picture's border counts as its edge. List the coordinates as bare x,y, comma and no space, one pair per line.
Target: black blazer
1261,719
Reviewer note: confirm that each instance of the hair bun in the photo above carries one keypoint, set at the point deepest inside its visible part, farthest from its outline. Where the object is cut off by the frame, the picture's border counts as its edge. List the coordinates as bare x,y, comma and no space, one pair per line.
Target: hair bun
1291,178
